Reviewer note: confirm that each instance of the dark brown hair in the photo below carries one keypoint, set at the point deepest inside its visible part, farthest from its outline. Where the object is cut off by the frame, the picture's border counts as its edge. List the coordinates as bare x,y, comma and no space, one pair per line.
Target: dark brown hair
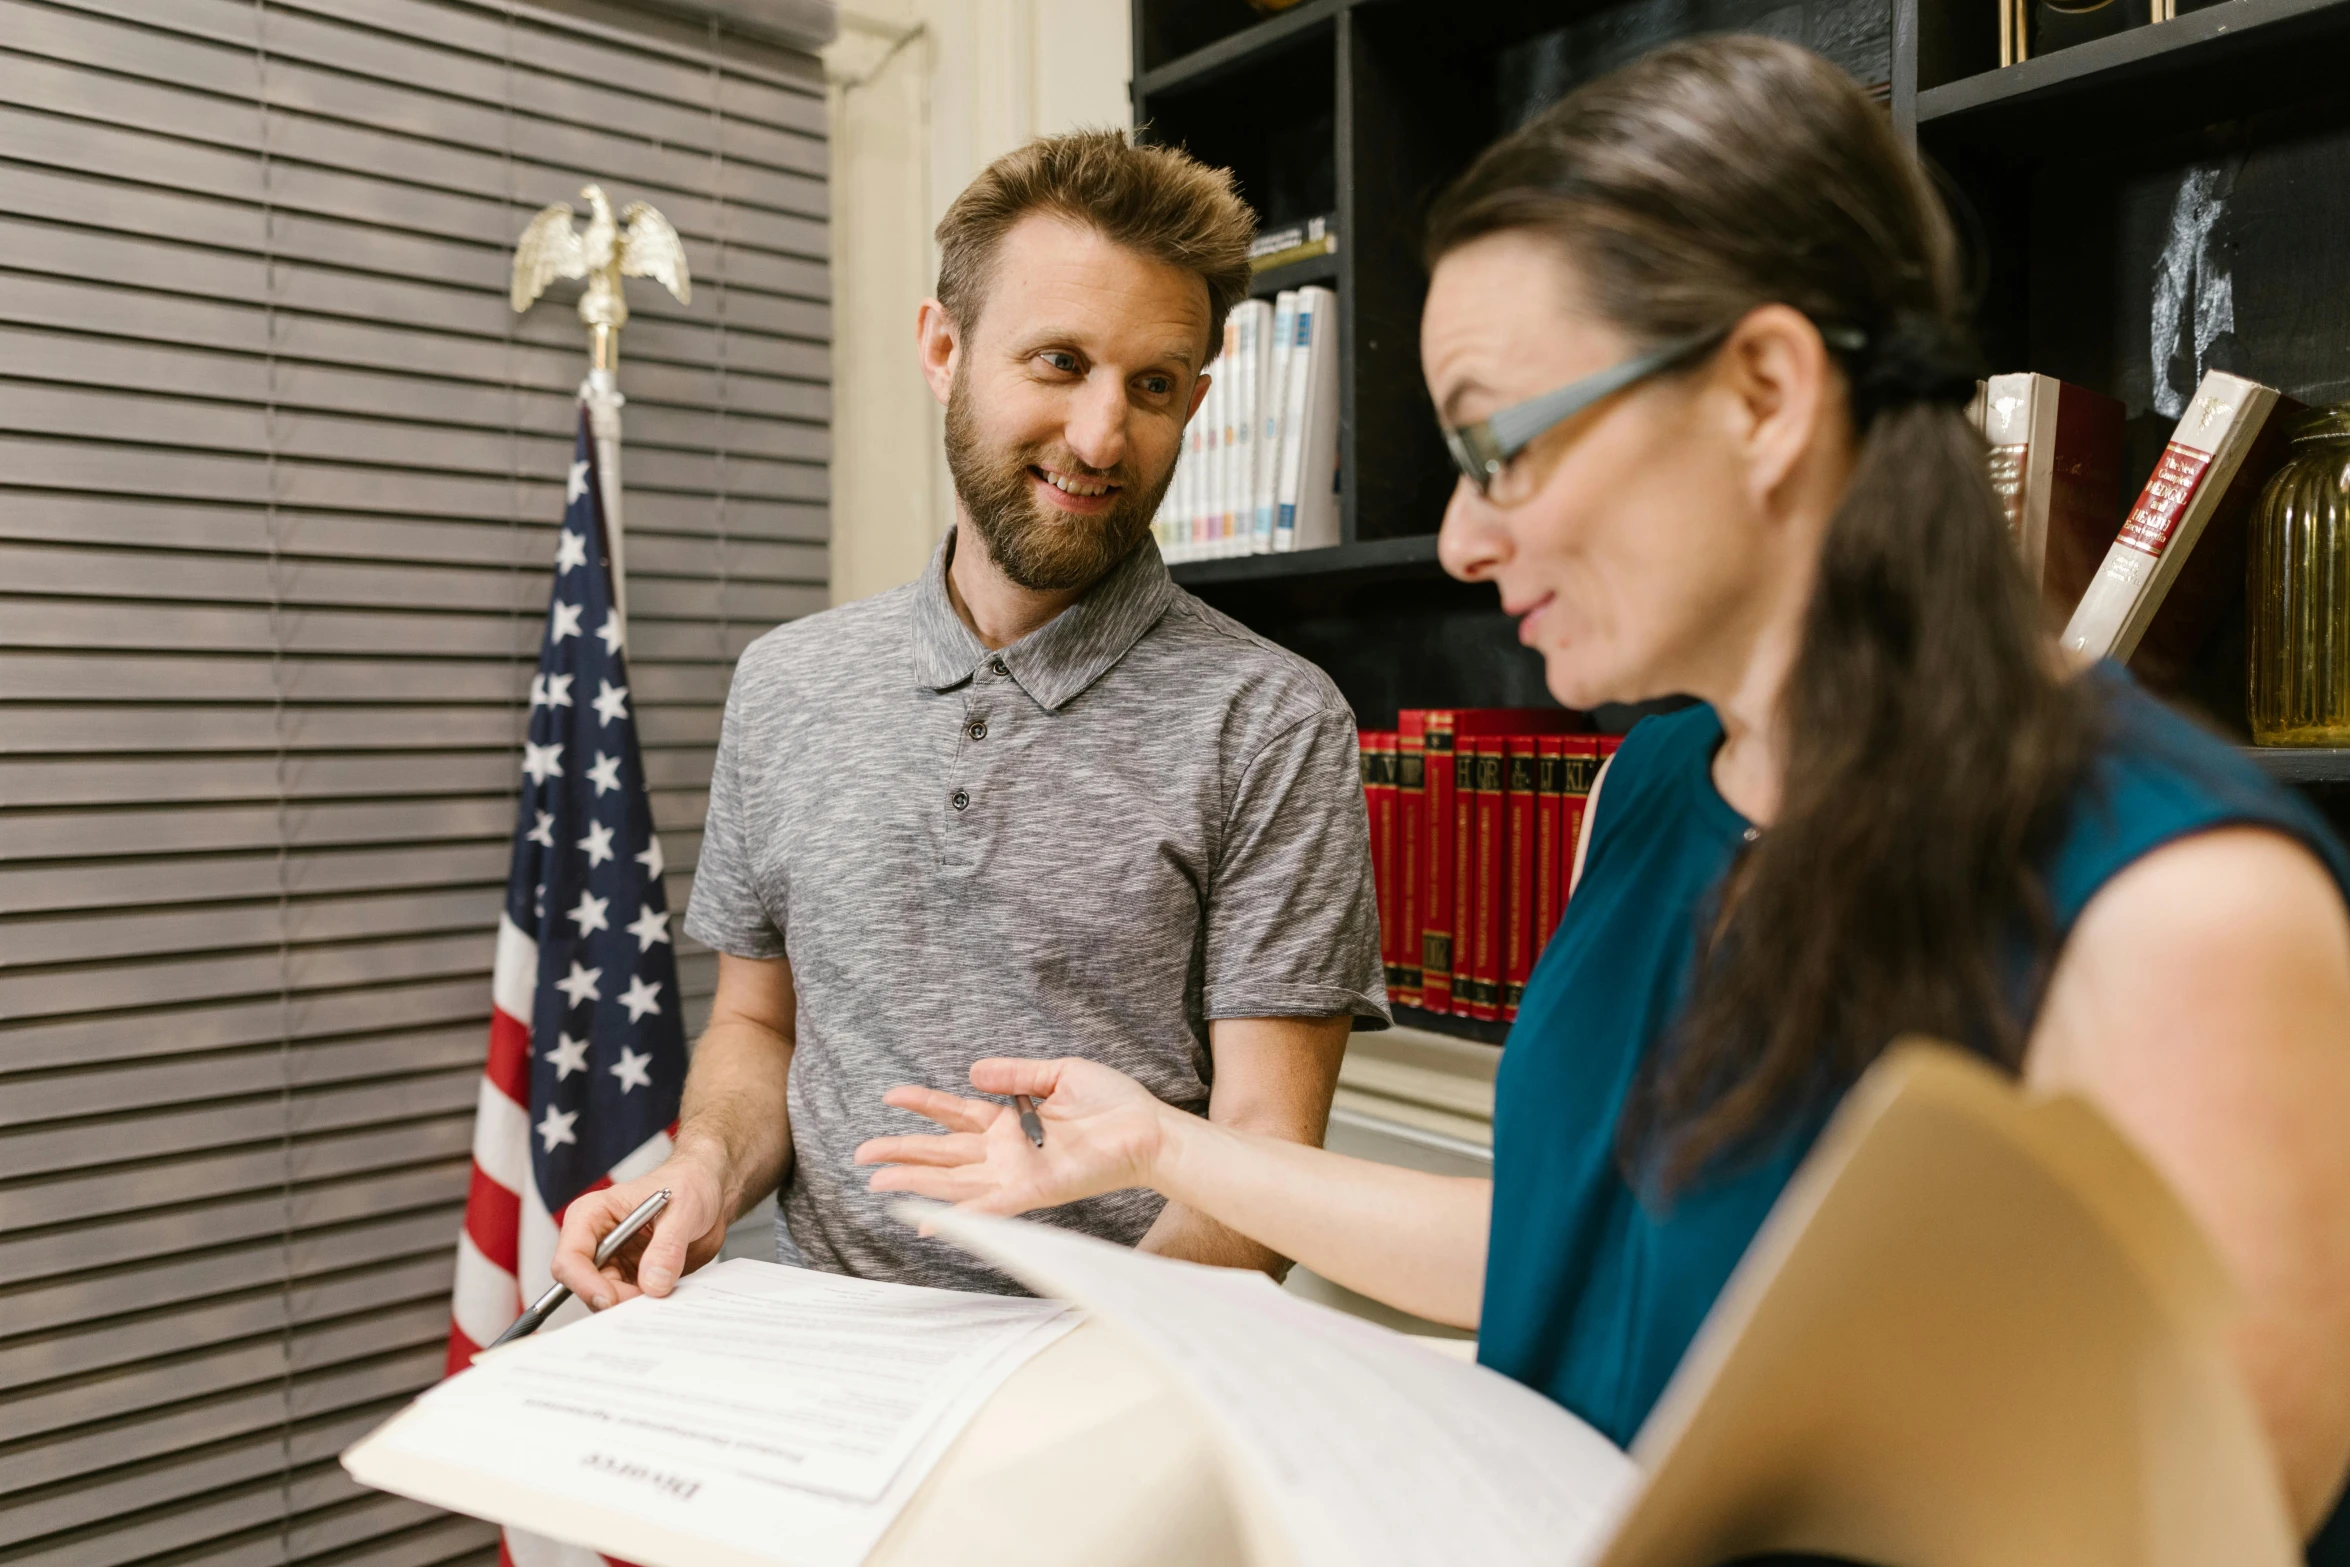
1932,742
1156,201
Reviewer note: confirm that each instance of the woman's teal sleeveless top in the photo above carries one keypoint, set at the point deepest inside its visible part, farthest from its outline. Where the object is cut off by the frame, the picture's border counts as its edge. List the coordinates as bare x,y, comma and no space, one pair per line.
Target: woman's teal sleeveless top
1591,1293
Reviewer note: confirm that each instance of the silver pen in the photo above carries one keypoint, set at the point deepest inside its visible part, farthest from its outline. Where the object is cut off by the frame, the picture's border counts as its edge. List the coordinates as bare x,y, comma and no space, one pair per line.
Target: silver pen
544,1307
1029,1122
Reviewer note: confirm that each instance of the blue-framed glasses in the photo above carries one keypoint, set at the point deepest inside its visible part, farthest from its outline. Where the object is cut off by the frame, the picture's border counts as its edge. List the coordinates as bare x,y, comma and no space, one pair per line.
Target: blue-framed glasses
1482,450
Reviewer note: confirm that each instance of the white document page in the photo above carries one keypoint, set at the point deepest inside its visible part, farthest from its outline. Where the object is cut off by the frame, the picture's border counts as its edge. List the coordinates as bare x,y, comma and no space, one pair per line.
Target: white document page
785,1414
1369,1448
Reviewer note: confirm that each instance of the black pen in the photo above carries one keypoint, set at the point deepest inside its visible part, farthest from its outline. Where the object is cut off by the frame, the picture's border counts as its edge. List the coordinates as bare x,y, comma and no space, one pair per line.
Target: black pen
544,1307
1029,1121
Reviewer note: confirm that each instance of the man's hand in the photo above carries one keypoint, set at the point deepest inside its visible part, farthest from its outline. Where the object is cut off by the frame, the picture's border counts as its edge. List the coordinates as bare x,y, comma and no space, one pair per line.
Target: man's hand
687,1234
733,1144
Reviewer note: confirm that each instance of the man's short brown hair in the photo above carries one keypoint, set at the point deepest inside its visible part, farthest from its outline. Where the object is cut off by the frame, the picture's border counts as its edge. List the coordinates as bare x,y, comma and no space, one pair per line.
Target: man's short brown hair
1159,202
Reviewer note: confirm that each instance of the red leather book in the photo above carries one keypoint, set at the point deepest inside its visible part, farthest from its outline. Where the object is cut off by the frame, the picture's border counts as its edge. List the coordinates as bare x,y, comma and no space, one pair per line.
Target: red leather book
1448,742
1578,764
1379,794
1411,868
1517,893
1436,744
1491,829
1549,776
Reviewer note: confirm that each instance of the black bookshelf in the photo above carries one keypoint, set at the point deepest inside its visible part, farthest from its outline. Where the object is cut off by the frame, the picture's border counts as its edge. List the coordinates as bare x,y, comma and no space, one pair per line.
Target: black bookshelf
2064,169
1365,109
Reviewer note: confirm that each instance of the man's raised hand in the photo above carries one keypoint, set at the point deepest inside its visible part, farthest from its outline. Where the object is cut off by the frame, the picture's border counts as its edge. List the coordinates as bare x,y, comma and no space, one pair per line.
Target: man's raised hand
1101,1134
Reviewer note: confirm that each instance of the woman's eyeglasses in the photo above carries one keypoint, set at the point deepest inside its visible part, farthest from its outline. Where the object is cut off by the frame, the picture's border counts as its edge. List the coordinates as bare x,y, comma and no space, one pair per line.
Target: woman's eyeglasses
1482,451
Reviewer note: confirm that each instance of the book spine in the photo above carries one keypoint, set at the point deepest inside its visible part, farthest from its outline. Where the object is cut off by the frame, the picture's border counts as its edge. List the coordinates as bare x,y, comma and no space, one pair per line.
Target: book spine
1235,378
1578,765
1492,829
1549,775
1389,887
1239,424
1436,945
1315,525
1293,415
2007,429
1464,872
1275,421
1517,924
1411,855
1220,444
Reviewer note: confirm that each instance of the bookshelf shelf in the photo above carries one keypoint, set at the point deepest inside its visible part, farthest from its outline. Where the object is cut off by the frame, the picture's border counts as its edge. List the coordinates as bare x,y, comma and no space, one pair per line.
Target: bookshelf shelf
1375,557
1314,269
2302,764
2229,58
1237,51
1445,1023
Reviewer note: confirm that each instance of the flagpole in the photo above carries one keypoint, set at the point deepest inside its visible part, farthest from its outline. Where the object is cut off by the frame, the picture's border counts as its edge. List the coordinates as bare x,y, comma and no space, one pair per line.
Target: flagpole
601,392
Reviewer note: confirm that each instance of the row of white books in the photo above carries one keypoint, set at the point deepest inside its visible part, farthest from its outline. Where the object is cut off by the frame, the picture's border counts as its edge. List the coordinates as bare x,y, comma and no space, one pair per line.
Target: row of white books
1259,470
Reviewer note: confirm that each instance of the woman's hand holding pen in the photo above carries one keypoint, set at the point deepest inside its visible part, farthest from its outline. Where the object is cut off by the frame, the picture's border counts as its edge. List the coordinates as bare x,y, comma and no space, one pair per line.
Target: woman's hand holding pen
1103,1132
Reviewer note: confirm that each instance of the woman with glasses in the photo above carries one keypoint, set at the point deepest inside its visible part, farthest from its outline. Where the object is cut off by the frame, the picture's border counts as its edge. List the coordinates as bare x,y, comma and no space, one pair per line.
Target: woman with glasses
1691,333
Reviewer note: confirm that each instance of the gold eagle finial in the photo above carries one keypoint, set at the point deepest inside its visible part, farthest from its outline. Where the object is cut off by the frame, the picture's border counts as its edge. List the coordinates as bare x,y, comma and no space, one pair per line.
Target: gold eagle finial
640,243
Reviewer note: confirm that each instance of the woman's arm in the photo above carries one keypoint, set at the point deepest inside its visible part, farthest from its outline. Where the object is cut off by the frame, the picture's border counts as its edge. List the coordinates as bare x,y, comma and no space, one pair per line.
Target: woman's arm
2203,1002
1412,1240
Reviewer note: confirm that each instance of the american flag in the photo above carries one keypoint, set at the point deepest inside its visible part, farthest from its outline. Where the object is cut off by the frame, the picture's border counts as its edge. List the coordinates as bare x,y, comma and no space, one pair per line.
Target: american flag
587,1048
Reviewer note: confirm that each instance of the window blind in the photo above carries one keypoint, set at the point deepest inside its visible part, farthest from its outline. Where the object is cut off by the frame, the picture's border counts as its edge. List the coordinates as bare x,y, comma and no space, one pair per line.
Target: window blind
279,480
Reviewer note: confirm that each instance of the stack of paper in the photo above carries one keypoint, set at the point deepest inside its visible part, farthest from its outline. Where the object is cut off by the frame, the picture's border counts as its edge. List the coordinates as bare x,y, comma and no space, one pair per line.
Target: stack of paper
759,1414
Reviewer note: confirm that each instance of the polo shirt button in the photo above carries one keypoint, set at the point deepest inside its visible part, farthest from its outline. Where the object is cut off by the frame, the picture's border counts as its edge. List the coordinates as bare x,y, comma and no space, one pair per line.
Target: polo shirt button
960,800
997,665
978,729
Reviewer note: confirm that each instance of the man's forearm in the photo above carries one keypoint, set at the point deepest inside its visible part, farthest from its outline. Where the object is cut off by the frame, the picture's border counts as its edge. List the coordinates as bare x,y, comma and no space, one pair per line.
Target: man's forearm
736,1112
1191,1236
1274,1077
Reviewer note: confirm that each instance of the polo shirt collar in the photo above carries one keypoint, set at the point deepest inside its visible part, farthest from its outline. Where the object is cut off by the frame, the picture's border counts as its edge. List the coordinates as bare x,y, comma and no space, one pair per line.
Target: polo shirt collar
1060,658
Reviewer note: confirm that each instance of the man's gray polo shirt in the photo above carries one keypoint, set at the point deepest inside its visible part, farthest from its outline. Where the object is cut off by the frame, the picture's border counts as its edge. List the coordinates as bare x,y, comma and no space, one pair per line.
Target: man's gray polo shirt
1137,818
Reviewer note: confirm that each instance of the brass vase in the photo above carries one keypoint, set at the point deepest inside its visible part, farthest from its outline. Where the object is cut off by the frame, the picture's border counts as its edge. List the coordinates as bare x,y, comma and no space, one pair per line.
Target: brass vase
2297,590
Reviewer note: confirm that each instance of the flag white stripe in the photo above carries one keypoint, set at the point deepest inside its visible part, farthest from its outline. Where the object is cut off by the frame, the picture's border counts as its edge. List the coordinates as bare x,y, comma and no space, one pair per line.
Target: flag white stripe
514,976
501,1138
485,1301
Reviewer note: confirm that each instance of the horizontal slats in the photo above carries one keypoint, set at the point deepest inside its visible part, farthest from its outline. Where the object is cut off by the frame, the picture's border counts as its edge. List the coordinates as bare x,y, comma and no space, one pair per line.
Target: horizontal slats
279,479
125,1341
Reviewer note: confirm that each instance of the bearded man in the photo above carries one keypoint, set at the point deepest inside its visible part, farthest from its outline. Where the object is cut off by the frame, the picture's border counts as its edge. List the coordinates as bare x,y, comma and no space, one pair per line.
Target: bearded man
1041,801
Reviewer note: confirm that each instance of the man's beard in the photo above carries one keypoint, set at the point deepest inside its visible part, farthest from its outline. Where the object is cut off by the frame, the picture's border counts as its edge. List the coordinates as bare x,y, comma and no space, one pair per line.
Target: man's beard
1043,549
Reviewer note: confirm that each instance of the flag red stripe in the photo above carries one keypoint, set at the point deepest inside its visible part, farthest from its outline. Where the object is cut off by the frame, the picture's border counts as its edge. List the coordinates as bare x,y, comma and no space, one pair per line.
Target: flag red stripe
508,1067
493,1217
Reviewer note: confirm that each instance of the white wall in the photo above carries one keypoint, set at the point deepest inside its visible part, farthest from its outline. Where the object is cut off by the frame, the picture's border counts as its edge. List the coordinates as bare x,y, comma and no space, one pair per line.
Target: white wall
924,93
